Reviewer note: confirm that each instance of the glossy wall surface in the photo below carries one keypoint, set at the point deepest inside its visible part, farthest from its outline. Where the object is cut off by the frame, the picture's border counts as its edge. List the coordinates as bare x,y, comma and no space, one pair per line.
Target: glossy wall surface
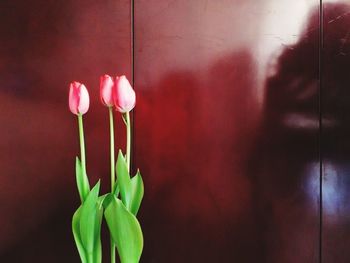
227,129
44,45
335,132
240,128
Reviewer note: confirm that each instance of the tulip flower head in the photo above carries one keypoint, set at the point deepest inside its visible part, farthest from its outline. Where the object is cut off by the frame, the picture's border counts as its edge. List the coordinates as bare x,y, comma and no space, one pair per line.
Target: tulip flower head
106,90
78,98
124,96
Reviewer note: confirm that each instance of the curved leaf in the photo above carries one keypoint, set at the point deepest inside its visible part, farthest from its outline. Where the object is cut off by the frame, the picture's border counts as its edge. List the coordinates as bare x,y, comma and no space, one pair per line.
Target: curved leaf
125,230
116,189
137,191
88,219
101,200
82,180
77,237
123,180
97,237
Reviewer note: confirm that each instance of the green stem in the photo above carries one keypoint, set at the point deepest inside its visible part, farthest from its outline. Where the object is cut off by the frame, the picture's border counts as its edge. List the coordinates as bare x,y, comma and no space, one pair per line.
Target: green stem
82,144
111,130
128,139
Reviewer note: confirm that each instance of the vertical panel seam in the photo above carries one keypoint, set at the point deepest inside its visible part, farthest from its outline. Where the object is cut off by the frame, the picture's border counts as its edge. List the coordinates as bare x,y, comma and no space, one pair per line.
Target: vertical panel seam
320,133
132,62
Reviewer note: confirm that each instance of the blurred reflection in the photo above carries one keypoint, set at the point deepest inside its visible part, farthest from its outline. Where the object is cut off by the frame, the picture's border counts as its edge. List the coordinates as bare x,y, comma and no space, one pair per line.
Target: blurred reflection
335,183
287,172
335,139
192,155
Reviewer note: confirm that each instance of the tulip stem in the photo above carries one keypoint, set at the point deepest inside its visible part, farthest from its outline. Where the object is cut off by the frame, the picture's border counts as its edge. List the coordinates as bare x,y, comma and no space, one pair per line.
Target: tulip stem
82,143
111,130
128,139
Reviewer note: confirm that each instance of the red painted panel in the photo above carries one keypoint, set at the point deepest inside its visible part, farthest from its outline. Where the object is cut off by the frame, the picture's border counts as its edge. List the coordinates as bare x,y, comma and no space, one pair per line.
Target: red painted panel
227,130
335,132
45,45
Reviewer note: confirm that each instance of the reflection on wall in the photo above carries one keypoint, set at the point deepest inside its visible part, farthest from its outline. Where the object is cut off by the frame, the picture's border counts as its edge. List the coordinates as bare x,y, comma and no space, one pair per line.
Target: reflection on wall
335,190
227,125
281,26
239,190
286,146
287,176
335,139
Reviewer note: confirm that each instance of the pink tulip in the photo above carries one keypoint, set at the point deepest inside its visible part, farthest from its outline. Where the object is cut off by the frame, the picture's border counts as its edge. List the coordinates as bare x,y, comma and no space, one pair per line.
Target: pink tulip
123,95
78,98
106,90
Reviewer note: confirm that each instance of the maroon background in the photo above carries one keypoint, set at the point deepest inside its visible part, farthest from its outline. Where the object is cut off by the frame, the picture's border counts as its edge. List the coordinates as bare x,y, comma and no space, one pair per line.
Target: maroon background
44,46
227,134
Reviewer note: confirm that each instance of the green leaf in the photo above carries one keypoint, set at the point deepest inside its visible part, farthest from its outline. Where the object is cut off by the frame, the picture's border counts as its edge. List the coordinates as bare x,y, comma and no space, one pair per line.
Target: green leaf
77,237
86,226
101,200
123,179
137,191
116,189
97,237
79,179
89,219
125,230
82,180
107,200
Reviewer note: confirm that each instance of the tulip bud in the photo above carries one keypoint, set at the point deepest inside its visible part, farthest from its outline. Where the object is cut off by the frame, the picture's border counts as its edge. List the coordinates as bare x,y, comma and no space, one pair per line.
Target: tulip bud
106,90
123,95
78,98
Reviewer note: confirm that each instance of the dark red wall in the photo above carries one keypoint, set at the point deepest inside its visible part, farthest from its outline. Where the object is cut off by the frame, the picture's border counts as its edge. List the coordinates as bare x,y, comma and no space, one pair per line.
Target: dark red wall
44,46
240,128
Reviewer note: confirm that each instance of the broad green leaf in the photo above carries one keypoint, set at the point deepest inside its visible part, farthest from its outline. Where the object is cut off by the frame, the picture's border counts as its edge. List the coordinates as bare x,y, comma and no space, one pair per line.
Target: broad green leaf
88,217
86,225
77,237
101,200
125,230
116,189
137,191
97,245
79,179
107,200
123,179
82,180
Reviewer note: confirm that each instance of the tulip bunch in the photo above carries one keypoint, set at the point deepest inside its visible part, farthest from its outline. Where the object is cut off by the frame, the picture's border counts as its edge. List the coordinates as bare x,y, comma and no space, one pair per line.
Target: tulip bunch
119,207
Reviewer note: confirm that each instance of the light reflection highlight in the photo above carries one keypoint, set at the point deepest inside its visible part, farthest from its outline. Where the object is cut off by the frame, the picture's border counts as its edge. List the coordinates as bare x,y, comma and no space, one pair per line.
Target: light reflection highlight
335,182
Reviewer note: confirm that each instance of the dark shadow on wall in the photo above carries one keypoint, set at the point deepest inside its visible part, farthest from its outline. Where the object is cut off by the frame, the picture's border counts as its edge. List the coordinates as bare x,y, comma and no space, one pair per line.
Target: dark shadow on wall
285,171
